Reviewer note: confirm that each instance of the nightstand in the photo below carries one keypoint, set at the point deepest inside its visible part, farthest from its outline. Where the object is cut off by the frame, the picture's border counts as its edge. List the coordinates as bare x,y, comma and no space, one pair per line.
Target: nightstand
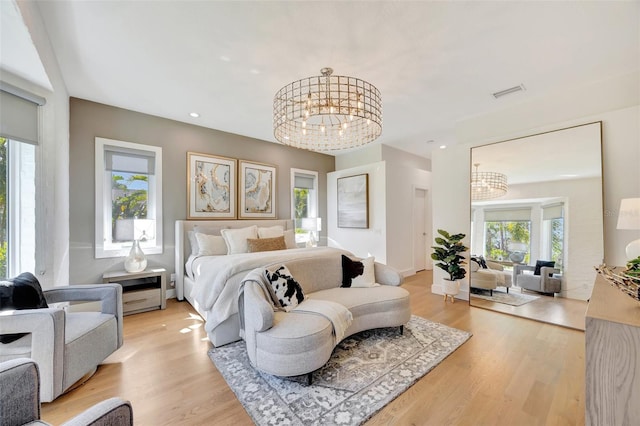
141,291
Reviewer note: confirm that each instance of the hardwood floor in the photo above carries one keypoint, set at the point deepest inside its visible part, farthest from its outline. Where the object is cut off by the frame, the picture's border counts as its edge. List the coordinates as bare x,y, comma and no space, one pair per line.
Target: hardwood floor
553,310
513,371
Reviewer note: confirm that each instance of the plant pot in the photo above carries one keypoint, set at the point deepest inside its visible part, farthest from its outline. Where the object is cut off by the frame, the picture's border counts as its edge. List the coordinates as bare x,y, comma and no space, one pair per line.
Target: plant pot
450,288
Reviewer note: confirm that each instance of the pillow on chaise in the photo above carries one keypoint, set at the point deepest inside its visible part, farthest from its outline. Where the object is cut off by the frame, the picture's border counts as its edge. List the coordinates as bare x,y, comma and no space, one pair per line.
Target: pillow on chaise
21,292
358,273
286,292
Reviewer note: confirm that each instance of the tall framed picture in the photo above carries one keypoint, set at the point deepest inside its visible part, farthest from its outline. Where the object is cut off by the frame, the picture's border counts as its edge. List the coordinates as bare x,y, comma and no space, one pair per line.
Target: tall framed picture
353,201
257,190
211,186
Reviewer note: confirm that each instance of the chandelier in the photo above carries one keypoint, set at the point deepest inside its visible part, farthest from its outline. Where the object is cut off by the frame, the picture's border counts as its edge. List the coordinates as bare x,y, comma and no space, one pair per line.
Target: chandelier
327,112
487,185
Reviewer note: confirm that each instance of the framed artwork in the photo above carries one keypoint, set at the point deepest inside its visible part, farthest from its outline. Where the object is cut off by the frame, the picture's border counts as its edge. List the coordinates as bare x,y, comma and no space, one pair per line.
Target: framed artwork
257,190
353,201
211,186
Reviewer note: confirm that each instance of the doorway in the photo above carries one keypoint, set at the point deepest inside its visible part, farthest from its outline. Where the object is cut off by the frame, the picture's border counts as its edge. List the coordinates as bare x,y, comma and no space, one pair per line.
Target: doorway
421,230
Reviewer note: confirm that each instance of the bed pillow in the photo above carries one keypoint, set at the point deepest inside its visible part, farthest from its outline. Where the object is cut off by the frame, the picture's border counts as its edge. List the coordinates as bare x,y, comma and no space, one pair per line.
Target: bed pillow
285,291
290,239
271,232
210,245
236,239
21,292
265,244
541,263
209,230
358,273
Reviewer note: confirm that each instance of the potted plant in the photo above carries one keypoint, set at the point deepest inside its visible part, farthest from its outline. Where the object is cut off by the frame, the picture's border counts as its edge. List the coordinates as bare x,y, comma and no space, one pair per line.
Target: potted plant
448,254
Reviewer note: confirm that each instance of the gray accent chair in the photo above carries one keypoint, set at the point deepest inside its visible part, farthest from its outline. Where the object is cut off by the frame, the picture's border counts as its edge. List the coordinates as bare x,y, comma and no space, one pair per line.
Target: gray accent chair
20,402
548,282
67,346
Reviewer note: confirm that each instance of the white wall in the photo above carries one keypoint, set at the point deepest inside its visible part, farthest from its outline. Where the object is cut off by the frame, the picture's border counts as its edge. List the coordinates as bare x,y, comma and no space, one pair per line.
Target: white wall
53,157
614,102
405,173
361,242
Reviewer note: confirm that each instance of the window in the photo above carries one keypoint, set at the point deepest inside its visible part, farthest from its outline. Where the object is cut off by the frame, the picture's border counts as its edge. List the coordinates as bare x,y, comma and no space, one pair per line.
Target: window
553,234
508,235
17,207
128,197
304,205
19,137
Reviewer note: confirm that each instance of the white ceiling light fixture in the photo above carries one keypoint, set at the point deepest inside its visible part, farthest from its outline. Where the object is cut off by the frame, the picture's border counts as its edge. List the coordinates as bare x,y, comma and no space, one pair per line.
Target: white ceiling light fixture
487,185
194,114
327,113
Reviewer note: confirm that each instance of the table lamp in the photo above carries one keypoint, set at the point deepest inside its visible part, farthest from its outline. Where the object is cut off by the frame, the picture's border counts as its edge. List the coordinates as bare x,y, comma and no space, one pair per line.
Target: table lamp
629,218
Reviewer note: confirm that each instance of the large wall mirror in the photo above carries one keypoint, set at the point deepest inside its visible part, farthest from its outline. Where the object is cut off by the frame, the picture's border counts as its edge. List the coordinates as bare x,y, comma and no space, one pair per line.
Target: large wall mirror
537,224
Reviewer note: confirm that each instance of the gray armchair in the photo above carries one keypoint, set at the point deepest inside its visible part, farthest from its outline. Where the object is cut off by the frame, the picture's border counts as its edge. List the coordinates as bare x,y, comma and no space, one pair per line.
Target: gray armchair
547,282
20,403
66,346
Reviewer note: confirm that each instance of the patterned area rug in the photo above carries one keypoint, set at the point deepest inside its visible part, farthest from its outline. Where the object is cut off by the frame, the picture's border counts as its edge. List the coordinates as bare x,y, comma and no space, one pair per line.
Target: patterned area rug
366,371
513,299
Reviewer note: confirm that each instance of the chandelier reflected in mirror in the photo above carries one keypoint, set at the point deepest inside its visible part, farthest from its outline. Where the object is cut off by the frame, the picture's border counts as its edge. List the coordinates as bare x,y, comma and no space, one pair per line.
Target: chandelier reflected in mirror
327,113
487,185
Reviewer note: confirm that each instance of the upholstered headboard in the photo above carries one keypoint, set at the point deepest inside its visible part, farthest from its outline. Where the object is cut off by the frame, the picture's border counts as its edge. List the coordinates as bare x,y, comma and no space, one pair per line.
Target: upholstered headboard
183,248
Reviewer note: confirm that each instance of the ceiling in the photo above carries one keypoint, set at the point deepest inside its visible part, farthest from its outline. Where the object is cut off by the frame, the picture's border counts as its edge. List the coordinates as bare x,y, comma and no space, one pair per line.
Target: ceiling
435,63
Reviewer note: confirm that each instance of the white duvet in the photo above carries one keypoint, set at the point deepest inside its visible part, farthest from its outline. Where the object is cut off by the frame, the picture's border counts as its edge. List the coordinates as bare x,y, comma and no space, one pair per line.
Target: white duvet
219,277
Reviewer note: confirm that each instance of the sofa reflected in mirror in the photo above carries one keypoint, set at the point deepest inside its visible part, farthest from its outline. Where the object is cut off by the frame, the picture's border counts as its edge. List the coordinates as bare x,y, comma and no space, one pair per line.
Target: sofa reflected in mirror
488,275
542,278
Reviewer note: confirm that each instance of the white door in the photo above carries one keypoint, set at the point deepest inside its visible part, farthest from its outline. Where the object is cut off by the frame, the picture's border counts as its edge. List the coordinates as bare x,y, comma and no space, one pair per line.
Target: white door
420,238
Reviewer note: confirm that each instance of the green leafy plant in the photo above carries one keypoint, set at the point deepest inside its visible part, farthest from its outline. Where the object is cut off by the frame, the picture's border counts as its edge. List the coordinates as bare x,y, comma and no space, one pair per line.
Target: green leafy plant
448,254
633,268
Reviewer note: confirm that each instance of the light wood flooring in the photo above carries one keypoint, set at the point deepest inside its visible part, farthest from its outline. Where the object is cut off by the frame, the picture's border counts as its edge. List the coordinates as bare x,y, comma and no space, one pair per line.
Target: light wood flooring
553,310
513,371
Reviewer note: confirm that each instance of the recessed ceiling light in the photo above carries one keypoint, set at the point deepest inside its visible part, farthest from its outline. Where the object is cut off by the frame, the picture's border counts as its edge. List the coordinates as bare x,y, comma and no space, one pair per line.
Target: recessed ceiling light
443,146
194,114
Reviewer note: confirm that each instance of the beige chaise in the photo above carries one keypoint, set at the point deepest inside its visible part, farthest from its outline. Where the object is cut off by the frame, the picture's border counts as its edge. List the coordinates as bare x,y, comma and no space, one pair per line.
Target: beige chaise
294,343
490,278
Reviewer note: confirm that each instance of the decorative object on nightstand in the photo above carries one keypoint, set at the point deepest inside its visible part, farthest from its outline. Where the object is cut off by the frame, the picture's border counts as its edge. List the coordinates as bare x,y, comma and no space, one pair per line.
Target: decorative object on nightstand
141,291
447,253
135,261
629,218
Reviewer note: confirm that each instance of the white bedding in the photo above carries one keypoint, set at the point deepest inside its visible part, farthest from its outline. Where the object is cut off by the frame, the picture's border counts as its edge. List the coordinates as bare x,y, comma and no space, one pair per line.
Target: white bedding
218,278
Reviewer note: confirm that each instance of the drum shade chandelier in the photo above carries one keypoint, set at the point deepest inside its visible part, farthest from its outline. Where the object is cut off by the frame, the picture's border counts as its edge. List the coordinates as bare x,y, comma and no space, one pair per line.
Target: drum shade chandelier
327,113
487,185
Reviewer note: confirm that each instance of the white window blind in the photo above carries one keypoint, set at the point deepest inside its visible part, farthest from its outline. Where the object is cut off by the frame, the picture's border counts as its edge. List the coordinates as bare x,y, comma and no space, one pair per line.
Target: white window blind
555,211
129,160
510,215
303,181
19,114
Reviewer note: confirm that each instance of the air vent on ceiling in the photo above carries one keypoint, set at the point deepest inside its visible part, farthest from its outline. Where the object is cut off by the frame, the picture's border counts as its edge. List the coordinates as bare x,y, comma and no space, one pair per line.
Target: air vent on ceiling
508,91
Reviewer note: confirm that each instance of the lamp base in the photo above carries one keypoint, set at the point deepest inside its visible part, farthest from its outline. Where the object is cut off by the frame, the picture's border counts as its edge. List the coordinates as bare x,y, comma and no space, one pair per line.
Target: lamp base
633,249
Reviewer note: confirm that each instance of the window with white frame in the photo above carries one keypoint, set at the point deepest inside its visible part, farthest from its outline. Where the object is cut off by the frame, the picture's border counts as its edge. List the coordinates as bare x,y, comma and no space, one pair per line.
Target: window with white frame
128,197
553,234
304,206
19,138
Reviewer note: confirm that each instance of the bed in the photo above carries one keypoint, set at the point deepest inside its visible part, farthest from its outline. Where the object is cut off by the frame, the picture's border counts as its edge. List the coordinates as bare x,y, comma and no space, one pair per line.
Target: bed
210,282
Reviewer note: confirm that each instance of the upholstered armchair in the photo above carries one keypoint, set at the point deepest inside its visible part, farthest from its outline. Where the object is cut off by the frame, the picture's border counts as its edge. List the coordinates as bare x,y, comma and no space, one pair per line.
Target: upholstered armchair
546,281
20,402
67,346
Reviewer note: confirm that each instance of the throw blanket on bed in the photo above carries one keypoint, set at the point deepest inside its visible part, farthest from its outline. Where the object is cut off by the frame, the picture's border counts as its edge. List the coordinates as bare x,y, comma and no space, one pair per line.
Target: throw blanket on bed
339,316
218,298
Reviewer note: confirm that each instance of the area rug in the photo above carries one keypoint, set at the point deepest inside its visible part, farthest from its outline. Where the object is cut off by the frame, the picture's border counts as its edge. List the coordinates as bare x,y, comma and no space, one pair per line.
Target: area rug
366,371
513,299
